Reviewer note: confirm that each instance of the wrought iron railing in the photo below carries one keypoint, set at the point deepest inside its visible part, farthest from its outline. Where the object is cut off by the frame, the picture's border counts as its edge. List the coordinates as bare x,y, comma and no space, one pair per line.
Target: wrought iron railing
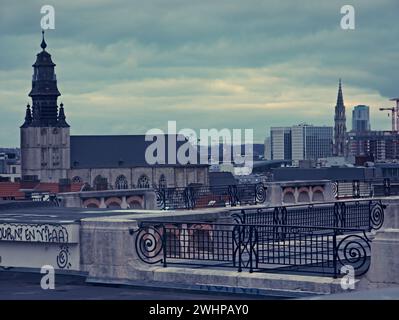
256,248
192,197
366,215
345,189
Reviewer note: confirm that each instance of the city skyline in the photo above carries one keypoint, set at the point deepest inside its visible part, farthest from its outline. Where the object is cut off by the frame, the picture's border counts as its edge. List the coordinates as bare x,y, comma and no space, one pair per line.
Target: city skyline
189,64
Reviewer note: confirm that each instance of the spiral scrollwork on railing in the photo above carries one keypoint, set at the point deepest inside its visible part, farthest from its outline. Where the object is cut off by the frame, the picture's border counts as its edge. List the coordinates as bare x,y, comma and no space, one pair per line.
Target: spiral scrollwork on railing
160,194
335,189
239,218
376,215
260,193
149,244
354,250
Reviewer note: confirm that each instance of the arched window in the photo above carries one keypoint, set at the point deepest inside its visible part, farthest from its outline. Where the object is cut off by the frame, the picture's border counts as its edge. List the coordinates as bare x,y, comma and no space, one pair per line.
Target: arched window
100,183
162,181
144,182
77,179
121,182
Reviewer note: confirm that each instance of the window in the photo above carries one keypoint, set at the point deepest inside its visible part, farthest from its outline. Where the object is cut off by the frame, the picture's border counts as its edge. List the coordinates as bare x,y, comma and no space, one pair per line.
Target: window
162,181
144,182
121,182
100,183
76,179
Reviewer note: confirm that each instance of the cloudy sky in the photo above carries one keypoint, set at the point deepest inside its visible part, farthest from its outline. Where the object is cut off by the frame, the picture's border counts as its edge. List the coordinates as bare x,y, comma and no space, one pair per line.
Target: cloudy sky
126,66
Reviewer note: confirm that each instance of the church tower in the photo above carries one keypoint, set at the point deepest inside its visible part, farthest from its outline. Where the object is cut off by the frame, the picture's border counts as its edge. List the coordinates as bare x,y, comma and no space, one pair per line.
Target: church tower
340,125
45,137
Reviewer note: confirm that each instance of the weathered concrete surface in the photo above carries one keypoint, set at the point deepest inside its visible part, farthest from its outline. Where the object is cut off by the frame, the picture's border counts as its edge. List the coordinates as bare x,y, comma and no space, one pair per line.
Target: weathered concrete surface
384,268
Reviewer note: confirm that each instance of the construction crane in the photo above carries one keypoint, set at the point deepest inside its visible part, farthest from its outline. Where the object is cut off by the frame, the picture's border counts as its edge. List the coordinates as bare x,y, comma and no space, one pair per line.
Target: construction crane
392,116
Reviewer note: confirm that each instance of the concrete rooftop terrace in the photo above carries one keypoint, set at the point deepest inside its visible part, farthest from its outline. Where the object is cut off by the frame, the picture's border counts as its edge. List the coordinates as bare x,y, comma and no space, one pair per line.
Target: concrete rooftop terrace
22,212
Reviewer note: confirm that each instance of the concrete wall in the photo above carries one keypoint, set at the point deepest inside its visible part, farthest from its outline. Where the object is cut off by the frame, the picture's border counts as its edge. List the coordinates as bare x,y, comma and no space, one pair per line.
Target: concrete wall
34,245
384,268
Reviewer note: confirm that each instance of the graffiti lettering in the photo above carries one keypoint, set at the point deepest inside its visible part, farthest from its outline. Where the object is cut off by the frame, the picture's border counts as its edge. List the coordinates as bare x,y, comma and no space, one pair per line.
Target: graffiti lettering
53,233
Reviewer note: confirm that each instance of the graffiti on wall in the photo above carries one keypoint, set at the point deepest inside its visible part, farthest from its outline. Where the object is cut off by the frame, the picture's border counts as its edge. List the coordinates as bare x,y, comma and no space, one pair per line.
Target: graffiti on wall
50,233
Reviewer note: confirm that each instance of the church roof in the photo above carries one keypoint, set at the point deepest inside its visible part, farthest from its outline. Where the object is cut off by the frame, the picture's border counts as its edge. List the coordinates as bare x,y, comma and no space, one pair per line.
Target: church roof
113,151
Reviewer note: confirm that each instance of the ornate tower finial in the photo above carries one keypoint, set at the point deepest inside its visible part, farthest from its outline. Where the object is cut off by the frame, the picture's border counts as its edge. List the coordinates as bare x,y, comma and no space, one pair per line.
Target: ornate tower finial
43,44
28,117
61,117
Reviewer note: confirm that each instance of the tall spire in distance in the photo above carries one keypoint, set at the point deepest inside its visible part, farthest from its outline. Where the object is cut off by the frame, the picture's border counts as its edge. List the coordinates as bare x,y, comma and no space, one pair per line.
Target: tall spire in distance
43,44
340,98
340,124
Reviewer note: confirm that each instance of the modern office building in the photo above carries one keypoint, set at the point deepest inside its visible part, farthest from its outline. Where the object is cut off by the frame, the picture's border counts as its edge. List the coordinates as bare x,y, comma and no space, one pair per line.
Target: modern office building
268,149
361,118
280,143
300,142
311,142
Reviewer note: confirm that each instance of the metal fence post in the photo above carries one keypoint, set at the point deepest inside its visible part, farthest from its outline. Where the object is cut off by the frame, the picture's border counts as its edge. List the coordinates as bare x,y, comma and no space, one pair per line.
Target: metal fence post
335,254
164,245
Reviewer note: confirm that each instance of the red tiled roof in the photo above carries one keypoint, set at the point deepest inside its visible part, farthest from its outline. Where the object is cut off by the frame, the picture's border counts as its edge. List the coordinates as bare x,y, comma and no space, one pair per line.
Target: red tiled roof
11,190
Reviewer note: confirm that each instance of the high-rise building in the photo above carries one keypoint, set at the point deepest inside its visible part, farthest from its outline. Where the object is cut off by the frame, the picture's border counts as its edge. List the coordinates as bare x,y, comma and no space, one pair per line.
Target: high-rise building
268,149
280,143
361,118
340,125
300,142
311,142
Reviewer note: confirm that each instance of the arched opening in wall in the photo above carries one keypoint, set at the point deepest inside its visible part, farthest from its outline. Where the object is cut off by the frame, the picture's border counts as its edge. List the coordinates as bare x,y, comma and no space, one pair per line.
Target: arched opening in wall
100,183
113,203
289,197
135,205
303,196
121,182
77,179
162,182
143,182
135,202
317,196
91,203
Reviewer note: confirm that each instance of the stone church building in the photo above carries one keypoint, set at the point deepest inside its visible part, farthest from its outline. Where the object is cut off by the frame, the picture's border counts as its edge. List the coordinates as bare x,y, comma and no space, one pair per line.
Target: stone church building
49,153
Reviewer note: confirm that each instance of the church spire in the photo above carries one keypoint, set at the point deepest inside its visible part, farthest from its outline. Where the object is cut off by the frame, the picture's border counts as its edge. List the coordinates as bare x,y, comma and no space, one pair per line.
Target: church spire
340,98
44,91
43,44
340,124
